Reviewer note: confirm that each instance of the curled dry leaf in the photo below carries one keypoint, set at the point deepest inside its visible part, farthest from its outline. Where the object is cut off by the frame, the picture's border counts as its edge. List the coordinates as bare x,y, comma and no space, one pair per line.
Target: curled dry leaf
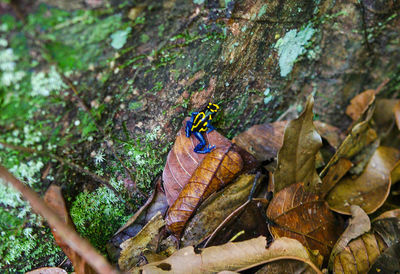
55,200
232,257
301,215
395,213
182,161
332,134
395,173
216,208
216,170
48,270
383,114
370,189
361,253
361,135
157,202
146,239
388,261
359,224
296,158
360,103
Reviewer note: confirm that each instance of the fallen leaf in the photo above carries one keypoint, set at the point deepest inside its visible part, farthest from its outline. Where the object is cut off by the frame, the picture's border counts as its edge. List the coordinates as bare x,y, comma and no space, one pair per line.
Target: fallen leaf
146,239
361,253
182,161
262,141
218,168
395,213
55,200
388,261
395,173
231,256
360,103
296,158
301,215
157,202
48,270
216,208
335,174
370,189
265,140
289,266
358,225
383,114
397,114
332,134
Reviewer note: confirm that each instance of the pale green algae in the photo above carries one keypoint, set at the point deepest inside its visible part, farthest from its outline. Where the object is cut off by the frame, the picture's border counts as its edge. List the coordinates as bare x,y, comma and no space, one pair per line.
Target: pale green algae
291,46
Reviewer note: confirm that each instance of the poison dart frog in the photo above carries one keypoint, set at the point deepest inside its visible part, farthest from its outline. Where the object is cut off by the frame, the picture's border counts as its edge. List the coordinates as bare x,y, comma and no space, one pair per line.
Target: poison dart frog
201,122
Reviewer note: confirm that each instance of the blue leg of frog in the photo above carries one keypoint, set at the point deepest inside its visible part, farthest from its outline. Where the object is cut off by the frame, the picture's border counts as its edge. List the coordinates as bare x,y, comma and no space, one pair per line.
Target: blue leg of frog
202,144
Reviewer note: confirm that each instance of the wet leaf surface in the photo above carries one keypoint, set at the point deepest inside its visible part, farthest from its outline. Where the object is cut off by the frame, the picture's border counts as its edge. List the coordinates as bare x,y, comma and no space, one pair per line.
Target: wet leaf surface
217,169
370,189
55,200
358,225
296,158
216,208
301,215
182,161
230,256
146,239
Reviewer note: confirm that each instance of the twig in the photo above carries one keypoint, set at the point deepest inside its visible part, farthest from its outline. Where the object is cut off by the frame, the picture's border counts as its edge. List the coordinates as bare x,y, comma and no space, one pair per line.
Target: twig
68,235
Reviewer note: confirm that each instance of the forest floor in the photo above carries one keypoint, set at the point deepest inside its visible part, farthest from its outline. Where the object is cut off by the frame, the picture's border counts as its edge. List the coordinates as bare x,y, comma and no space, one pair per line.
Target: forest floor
92,96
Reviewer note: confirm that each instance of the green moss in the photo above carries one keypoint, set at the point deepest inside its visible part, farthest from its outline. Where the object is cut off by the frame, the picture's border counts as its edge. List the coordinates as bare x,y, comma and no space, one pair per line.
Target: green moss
291,46
97,215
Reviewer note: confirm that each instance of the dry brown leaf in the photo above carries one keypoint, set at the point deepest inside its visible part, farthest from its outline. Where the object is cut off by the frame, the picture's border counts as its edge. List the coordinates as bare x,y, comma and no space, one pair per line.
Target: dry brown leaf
335,174
360,136
265,140
157,202
395,213
55,200
296,158
48,270
216,208
262,141
146,239
359,224
388,261
360,103
395,173
182,161
383,114
231,257
370,189
301,215
289,266
361,253
217,169
397,114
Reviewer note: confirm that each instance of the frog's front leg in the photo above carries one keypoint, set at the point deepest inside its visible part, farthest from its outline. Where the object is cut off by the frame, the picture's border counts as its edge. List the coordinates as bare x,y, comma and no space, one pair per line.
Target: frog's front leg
188,128
210,127
202,144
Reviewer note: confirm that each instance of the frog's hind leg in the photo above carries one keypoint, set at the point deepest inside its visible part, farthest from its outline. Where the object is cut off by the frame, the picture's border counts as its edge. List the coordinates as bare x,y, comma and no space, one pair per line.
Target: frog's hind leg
202,144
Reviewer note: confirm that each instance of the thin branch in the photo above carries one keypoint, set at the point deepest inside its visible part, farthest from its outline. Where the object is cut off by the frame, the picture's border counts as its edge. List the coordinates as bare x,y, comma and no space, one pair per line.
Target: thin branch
68,235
